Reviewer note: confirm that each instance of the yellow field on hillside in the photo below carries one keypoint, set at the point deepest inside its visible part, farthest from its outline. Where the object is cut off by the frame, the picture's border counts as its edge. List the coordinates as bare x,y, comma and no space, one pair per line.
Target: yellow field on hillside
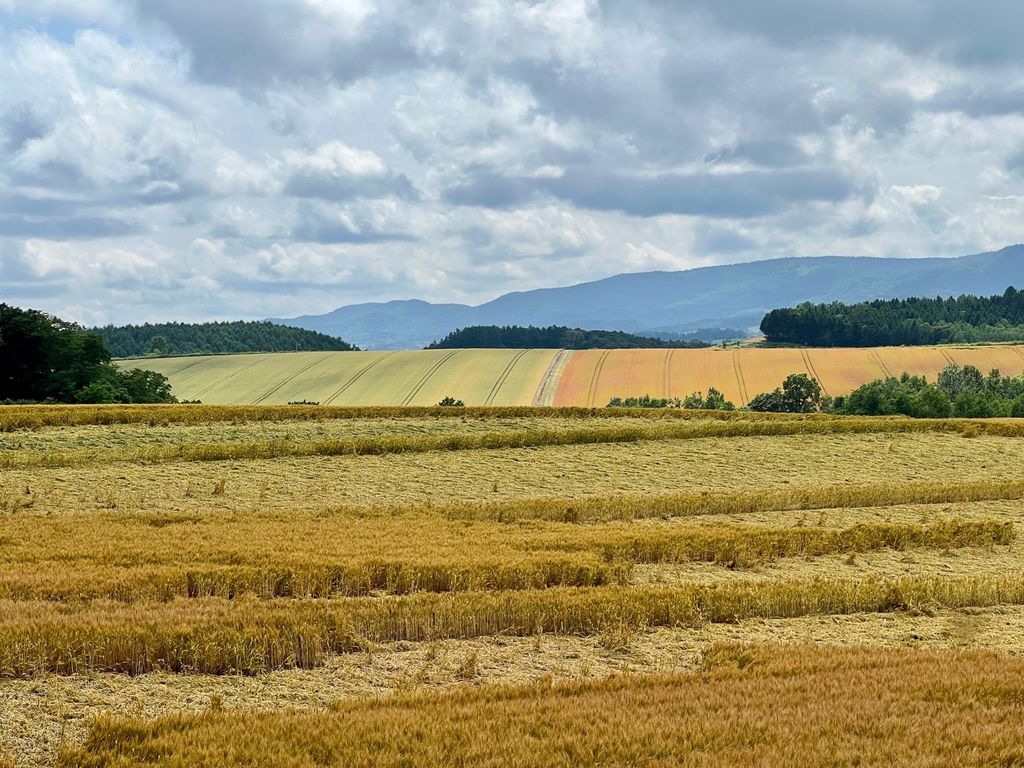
508,377
204,585
593,377
477,377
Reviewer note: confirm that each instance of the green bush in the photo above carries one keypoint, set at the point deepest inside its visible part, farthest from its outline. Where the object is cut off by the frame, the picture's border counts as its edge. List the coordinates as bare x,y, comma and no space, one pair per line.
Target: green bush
799,394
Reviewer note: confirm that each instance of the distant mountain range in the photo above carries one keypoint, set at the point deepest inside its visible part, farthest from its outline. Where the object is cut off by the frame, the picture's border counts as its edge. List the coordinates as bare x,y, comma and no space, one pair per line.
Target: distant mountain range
732,296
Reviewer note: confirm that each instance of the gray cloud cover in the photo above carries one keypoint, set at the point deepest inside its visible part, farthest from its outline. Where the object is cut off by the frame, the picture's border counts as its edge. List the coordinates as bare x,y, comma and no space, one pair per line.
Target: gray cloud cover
221,158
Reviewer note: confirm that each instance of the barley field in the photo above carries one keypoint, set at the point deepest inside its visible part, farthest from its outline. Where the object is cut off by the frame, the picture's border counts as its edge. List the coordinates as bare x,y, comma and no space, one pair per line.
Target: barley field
318,585
566,378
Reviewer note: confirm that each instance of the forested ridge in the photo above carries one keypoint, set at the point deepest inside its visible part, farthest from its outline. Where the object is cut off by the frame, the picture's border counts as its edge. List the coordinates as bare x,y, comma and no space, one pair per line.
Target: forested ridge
552,337
897,322
215,338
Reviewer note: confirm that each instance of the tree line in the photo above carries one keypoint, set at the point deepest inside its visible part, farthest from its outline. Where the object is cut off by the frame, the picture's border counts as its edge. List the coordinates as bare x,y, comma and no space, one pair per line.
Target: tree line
958,391
215,338
897,322
553,337
46,359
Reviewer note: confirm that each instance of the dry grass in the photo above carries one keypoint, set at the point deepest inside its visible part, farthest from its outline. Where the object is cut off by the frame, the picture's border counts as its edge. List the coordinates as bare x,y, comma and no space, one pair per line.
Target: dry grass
124,438
44,713
18,417
247,636
750,705
516,475
151,557
378,445
357,574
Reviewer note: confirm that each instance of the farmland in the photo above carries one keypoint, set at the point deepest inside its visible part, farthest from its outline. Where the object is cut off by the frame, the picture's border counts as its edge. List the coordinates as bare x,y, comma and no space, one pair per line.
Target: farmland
185,585
507,377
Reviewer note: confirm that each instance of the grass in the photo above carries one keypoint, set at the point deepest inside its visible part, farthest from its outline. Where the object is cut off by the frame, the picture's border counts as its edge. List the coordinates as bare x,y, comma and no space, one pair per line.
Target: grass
750,705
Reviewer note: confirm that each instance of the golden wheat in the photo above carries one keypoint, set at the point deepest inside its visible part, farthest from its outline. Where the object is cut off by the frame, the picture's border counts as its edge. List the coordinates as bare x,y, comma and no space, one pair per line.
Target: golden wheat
765,706
249,636
158,557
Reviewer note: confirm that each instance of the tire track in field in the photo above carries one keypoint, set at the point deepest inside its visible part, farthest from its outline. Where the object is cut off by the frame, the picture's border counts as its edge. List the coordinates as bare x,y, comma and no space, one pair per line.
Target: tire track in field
1019,351
356,376
221,380
740,382
592,393
668,373
949,357
810,369
548,387
878,361
190,365
293,376
426,376
504,377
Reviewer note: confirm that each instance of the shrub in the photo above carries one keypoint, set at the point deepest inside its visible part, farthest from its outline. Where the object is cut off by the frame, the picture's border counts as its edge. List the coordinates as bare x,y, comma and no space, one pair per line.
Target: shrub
799,394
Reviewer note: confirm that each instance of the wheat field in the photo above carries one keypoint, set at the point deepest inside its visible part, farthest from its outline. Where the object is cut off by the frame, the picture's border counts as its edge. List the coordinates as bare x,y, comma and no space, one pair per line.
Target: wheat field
376,586
566,378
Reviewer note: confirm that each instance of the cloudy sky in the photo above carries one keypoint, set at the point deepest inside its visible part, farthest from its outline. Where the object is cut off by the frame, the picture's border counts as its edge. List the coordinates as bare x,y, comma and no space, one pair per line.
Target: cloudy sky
202,159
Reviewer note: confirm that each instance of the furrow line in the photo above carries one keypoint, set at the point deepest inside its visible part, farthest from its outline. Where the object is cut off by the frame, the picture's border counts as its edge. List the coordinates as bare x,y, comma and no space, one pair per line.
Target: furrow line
504,377
291,378
426,377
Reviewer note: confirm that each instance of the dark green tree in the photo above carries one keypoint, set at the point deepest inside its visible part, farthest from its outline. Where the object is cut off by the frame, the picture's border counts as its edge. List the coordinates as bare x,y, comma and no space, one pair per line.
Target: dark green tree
43,358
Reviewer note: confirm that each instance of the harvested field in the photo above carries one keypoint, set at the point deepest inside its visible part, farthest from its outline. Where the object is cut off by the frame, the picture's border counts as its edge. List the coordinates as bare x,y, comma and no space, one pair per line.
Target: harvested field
894,707
194,575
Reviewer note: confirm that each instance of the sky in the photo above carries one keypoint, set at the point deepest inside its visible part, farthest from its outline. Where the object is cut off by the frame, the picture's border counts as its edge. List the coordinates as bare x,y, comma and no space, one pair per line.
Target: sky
225,159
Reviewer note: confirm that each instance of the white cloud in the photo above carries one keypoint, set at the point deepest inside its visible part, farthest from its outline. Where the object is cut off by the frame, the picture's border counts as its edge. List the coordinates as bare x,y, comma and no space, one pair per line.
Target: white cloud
331,151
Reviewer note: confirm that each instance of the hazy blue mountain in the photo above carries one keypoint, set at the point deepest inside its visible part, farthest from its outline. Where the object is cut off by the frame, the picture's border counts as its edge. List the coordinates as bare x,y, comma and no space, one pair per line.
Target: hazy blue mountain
732,296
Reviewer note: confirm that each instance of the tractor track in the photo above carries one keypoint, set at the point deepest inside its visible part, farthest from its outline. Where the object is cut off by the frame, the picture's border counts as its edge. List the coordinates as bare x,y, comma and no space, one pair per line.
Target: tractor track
504,377
881,366
739,377
548,387
292,377
426,376
810,369
592,393
221,380
356,376
668,373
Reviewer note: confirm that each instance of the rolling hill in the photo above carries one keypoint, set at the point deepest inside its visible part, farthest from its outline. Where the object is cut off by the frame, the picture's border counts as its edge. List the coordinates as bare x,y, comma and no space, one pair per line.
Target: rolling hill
732,296
548,376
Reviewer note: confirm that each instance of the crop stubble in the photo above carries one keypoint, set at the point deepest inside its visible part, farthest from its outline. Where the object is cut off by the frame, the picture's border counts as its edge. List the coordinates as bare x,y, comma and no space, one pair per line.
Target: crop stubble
700,527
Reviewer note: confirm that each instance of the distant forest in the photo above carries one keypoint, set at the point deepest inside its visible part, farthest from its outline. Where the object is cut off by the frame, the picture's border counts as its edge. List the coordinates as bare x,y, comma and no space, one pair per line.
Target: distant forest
214,339
552,337
897,322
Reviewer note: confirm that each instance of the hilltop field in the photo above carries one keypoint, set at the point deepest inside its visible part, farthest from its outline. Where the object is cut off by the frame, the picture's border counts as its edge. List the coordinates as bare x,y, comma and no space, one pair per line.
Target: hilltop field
510,377
298,586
